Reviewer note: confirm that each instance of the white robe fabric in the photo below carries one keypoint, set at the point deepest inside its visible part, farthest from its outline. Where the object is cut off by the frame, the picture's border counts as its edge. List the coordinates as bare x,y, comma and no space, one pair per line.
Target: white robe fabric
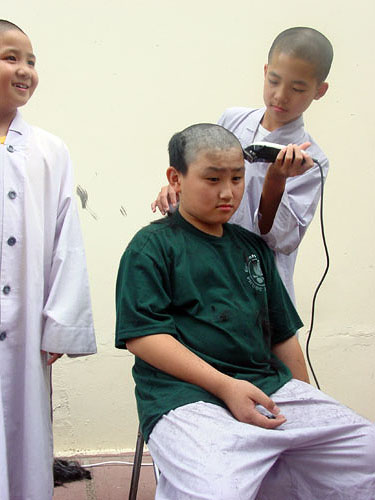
301,195
44,300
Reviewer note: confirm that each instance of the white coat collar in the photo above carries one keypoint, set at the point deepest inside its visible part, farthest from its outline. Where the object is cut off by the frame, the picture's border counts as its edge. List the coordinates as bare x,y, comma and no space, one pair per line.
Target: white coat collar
291,130
18,131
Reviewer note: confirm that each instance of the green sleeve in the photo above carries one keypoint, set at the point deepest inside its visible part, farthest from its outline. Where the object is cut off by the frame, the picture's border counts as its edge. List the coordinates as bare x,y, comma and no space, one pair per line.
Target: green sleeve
142,298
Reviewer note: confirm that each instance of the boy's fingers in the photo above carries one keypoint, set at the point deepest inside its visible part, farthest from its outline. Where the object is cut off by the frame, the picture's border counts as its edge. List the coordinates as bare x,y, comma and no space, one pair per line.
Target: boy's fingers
294,160
265,422
163,199
173,197
289,153
157,204
53,357
280,157
307,157
259,397
305,145
298,156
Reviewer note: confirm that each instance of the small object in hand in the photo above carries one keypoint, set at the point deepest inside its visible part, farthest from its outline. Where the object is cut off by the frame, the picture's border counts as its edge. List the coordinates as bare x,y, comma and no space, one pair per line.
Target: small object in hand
262,152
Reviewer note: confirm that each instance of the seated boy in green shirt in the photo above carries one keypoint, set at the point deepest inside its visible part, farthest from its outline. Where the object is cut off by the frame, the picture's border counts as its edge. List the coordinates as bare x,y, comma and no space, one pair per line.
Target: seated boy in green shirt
202,307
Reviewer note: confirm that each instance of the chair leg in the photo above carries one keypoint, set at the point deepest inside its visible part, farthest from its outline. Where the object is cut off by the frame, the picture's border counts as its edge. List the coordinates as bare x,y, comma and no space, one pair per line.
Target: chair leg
137,466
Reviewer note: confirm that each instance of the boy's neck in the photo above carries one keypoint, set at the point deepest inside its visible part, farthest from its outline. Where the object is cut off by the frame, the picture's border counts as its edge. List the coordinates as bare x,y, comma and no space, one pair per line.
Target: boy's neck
211,229
5,121
269,124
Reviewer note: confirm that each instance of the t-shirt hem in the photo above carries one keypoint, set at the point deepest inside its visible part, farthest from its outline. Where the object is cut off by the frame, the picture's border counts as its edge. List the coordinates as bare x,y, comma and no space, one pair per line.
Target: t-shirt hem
123,336
287,335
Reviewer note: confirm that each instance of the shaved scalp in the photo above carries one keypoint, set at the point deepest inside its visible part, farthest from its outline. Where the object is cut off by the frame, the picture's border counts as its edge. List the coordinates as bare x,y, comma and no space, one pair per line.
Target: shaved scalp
184,146
7,25
307,44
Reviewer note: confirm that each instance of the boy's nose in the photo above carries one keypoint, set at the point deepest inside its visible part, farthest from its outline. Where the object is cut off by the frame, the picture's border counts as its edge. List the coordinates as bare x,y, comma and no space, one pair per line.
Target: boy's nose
226,192
23,70
282,94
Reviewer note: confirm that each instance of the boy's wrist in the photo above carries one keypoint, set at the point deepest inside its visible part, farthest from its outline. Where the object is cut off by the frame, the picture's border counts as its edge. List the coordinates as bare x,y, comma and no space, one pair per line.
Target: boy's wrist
275,175
223,386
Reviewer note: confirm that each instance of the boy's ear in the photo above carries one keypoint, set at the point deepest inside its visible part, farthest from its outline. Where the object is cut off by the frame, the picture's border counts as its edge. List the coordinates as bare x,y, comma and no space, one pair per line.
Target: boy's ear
265,69
173,177
322,89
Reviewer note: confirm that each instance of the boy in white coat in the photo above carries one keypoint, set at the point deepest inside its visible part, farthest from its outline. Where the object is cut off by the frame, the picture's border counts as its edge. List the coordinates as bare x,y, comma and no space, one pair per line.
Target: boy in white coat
279,203
45,308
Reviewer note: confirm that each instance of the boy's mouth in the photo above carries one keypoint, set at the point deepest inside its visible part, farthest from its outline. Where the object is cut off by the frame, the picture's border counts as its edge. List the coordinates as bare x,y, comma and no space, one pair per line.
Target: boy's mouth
225,207
21,85
278,108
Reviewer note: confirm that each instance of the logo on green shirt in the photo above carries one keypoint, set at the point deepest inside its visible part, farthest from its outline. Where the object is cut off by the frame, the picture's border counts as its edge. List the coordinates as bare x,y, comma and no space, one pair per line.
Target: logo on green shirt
254,272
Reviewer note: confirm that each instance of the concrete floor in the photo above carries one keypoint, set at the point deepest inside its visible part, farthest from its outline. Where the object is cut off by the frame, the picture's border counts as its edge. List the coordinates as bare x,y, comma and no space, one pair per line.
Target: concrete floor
109,482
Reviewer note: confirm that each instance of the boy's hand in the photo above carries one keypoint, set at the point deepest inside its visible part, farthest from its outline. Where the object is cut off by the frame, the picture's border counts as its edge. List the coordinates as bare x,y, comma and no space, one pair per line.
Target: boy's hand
52,357
166,197
291,161
167,354
241,397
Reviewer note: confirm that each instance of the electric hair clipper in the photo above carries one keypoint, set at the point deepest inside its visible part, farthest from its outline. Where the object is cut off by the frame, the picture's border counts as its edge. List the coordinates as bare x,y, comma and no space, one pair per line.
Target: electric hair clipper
262,152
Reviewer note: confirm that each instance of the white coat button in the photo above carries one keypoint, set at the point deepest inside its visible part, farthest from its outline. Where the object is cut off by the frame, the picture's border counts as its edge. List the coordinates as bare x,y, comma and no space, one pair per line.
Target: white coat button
6,290
10,148
12,195
3,335
11,241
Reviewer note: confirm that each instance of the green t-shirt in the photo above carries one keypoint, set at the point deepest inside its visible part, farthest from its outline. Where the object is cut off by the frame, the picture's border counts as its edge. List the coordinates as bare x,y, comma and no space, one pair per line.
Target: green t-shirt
221,297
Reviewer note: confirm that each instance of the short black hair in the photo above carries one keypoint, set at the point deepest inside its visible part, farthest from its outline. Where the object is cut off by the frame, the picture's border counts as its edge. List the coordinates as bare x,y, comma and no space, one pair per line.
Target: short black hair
307,44
185,145
7,25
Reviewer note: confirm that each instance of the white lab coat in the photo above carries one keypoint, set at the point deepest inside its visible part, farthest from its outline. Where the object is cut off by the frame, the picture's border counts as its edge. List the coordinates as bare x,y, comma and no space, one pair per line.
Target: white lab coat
44,300
301,195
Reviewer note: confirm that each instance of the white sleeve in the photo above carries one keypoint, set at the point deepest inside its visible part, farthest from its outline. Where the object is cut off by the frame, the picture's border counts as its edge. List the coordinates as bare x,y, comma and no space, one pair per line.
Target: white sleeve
296,210
234,119
68,324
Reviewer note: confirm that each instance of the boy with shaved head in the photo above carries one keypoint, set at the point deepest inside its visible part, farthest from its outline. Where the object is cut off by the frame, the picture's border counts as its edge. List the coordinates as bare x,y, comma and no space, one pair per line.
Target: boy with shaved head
221,383
44,298
279,203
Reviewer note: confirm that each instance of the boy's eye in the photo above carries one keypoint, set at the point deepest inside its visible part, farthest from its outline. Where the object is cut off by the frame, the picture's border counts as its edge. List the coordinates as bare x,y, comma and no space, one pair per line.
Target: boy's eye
213,179
273,82
10,58
31,63
299,90
237,178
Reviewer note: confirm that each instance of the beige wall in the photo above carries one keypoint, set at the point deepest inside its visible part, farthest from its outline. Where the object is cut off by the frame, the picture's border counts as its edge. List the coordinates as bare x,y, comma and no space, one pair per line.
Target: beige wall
117,78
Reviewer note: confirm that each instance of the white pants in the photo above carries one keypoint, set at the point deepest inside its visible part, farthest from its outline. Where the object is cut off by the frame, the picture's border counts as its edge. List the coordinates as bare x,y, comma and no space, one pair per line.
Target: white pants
323,452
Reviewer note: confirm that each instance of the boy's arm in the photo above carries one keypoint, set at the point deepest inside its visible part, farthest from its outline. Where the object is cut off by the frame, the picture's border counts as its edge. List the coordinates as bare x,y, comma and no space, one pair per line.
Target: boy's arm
295,209
290,162
68,326
165,353
52,357
290,353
